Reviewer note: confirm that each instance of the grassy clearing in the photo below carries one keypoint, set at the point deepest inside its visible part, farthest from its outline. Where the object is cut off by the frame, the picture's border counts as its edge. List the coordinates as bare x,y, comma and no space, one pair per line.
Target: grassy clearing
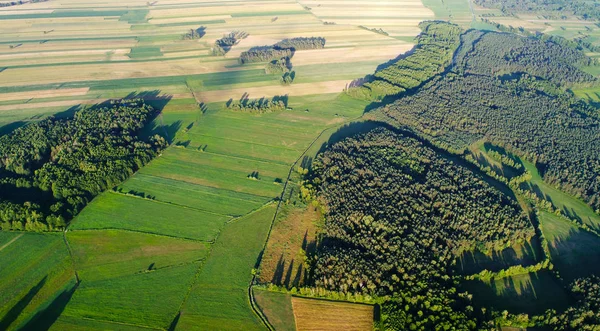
531,293
34,268
116,211
219,299
312,314
103,254
569,206
277,308
526,254
140,52
574,252
147,299
67,323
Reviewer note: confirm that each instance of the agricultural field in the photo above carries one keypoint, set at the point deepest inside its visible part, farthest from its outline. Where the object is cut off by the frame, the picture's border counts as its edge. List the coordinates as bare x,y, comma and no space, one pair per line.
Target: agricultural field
180,243
311,314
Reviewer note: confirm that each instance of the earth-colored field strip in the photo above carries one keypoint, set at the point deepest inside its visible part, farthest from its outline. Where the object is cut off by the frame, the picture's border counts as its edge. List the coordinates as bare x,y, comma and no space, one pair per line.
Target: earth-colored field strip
219,299
34,268
103,254
575,252
277,308
116,211
43,94
322,315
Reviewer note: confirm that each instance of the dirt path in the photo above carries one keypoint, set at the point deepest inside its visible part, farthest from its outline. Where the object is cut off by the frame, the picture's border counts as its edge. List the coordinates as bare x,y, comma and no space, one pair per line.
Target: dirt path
11,241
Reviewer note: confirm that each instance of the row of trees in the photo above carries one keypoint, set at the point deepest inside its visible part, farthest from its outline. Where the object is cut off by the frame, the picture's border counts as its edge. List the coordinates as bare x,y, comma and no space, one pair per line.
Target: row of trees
51,169
301,43
262,105
20,2
397,215
435,46
531,116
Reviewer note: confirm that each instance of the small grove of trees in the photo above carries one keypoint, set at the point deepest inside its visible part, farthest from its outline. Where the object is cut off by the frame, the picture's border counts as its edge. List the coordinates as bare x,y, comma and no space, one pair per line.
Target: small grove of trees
262,105
194,34
223,45
50,170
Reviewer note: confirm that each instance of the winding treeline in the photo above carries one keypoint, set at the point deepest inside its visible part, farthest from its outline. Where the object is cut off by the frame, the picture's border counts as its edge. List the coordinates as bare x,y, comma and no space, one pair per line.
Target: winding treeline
435,46
397,214
510,91
50,170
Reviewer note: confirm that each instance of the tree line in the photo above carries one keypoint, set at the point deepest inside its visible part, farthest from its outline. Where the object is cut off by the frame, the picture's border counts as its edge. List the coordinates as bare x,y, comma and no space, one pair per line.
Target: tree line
554,8
51,169
223,45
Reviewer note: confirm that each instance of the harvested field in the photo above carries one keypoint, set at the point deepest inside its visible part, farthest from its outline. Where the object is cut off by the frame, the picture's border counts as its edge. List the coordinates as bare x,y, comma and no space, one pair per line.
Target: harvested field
322,315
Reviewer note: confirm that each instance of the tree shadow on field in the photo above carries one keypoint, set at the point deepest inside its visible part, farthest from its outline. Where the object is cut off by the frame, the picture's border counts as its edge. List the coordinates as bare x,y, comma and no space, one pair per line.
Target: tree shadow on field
10,127
18,308
44,319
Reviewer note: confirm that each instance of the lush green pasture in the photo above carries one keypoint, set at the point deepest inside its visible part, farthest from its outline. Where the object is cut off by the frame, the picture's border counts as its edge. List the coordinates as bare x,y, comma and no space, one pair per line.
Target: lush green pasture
67,323
277,308
569,205
103,254
575,252
219,299
193,195
229,173
34,267
116,211
146,299
531,293
519,254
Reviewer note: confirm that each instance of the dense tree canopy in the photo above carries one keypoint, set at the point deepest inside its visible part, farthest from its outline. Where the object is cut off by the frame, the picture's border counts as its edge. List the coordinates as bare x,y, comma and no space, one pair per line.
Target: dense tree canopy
552,8
509,90
397,214
51,169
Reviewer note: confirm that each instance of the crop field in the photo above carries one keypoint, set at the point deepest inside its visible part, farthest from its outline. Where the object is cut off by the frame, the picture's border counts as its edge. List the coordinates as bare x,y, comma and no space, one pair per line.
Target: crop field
34,268
574,252
219,298
311,314
277,308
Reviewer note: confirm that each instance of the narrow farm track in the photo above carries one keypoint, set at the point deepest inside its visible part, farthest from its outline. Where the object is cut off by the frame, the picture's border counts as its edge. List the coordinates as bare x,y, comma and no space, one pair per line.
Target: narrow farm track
11,241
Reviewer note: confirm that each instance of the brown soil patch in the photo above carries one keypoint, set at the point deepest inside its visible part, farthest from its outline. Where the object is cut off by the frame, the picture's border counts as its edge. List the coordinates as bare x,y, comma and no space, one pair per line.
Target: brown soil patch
322,315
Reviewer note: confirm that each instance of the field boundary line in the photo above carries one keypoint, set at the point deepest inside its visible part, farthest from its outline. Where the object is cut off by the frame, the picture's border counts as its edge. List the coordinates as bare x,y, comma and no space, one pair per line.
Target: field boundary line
238,157
242,141
207,193
11,241
253,303
146,232
168,203
115,322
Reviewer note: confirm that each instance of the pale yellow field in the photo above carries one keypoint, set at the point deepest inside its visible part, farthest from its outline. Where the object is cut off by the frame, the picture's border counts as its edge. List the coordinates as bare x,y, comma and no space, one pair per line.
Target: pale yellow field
321,315
43,94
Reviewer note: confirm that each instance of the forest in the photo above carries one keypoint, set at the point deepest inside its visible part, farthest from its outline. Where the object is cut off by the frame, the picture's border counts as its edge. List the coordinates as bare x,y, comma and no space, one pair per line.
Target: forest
517,102
398,212
223,45
555,8
51,169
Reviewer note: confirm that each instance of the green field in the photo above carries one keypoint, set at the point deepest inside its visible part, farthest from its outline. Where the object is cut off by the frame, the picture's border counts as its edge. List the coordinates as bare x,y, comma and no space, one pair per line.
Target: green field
34,268
103,254
118,211
531,293
574,252
219,299
277,308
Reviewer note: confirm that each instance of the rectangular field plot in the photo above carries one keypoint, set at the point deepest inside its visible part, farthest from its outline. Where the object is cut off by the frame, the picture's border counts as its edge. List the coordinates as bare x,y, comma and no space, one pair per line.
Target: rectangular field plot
219,299
116,211
192,195
227,173
323,315
34,268
575,252
148,299
67,323
102,254
277,308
